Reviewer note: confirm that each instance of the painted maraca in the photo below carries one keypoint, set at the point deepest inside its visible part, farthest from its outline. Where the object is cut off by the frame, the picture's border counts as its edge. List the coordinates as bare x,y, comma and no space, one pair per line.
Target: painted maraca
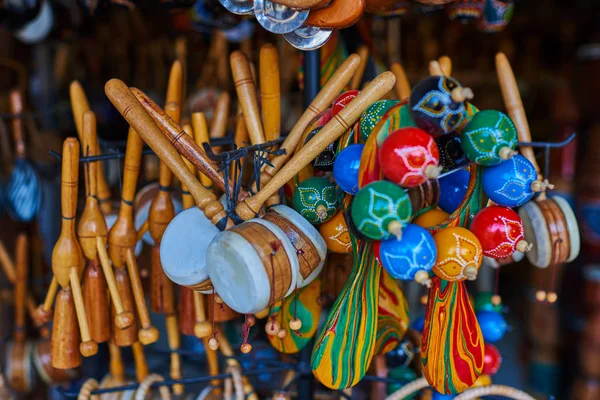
459,254
409,157
336,235
431,218
343,100
500,231
451,153
346,167
493,325
324,161
411,257
453,189
316,200
465,10
380,210
496,15
513,182
489,138
492,359
437,104
372,115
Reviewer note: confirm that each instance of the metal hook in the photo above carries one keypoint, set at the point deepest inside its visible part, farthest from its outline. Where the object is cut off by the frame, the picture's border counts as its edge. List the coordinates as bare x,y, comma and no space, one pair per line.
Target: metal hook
549,144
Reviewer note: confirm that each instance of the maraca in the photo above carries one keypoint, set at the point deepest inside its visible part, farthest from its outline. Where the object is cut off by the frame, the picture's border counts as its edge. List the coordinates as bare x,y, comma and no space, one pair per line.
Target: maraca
316,200
324,161
409,157
346,166
431,218
336,235
380,210
465,10
451,152
437,104
343,100
513,182
492,360
453,188
500,231
489,138
459,254
411,257
496,15
372,115
493,326
484,301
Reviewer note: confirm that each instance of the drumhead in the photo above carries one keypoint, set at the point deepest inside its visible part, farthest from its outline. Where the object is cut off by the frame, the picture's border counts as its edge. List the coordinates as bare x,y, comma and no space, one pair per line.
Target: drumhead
536,232
313,235
184,245
572,227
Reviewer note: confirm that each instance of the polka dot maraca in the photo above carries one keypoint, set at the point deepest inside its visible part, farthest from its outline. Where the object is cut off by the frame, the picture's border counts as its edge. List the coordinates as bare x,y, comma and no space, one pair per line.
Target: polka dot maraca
316,200
489,138
459,254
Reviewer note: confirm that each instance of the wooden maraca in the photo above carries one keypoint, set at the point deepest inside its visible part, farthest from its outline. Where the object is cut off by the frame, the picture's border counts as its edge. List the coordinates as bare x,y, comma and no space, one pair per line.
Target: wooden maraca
338,14
19,369
459,254
270,91
67,266
550,224
92,232
79,105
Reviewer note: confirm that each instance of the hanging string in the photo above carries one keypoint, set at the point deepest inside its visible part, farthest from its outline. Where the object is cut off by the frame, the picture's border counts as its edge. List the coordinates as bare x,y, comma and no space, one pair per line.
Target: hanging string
496,299
213,342
245,347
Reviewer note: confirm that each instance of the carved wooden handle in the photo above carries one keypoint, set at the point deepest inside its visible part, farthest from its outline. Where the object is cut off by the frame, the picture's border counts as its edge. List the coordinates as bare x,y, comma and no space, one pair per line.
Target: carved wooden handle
340,123
246,91
326,96
22,261
139,358
186,198
270,91
134,113
402,85
16,107
363,53
514,105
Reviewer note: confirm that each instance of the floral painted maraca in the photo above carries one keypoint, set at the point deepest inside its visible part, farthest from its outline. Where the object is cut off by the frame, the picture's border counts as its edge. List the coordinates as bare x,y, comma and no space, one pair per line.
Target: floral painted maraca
372,115
451,153
316,200
380,210
343,100
496,15
513,182
453,189
500,231
324,161
409,157
465,10
411,257
336,235
346,167
459,254
489,138
437,104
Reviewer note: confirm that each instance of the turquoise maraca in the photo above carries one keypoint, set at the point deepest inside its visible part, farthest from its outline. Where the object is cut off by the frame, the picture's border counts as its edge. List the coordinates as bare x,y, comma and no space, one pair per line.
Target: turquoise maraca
489,138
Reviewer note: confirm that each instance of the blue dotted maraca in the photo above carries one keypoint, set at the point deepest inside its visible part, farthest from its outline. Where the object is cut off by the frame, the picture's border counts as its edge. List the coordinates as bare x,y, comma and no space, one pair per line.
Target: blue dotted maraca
346,166
453,189
513,182
437,104
451,152
493,326
411,257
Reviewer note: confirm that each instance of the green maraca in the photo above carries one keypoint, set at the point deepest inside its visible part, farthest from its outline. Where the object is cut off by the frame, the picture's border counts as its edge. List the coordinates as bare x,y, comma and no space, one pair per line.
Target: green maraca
489,138
380,210
316,200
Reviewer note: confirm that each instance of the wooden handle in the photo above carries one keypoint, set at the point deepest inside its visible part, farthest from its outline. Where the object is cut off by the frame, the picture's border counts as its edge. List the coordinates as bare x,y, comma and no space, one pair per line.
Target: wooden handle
270,91
402,85
340,123
213,363
9,269
326,96
435,69
134,113
514,105
218,128
88,347
446,65
241,132
79,105
64,341
244,86
116,368
363,53
16,107
185,309
176,135
147,334
186,198
89,144
96,301
22,260
200,129
139,358
43,313
174,344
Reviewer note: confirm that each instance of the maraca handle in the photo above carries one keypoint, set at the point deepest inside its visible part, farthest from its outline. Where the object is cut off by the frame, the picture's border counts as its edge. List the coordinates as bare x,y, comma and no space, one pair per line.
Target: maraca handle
326,96
246,91
270,91
200,130
218,127
16,107
446,65
22,261
89,139
402,86
363,53
134,113
340,123
70,180
514,105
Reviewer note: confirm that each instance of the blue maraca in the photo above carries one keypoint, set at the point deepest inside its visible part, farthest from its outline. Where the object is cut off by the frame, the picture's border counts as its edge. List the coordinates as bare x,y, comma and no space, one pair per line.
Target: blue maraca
435,395
453,189
418,324
411,257
513,182
345,168
493,326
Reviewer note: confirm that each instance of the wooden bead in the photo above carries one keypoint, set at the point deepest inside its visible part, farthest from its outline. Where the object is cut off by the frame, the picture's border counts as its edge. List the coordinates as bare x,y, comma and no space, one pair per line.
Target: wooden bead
250,320
552,297
213,344
272,328
88,348
282,334
203,329
540,295
295,324
246,348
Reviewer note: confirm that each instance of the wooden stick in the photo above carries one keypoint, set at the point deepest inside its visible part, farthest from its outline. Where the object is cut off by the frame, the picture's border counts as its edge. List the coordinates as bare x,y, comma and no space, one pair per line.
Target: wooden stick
270,91
326,96
184,144
218,128
16,107
88,346
21,286
200,135
174,344
363,53
147,334
446,65
402,85
125,336
116,368
96,301
139,358
134,113
246,91
213,363
435,69
43,313
342,121
10,271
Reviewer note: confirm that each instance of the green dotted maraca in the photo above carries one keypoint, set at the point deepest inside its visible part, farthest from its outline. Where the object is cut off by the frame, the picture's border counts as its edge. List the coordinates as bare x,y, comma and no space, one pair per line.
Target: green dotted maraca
489,138
380,210
316,200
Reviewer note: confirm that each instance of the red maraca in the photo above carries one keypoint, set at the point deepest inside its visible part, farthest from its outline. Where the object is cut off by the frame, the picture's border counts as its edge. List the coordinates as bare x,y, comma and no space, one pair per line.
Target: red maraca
492,360
409,157
500,231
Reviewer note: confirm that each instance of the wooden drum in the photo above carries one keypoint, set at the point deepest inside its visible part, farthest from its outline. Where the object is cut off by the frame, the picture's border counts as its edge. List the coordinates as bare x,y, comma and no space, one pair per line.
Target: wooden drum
43,365
19,369
252,265
183,249
551,226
